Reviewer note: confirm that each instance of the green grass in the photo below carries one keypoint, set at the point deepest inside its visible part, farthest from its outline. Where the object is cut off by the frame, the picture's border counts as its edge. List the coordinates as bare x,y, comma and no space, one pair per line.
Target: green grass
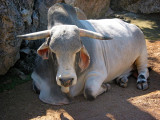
9,82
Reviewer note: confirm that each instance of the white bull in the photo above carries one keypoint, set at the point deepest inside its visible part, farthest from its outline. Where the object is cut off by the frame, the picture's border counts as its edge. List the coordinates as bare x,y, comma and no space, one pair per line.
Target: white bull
80,63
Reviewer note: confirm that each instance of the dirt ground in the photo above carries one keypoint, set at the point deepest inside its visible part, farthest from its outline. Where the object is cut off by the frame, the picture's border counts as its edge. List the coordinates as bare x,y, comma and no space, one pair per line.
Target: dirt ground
119,103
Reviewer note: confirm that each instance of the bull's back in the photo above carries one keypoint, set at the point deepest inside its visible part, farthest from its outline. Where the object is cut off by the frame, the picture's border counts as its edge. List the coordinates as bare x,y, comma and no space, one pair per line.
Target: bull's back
126,46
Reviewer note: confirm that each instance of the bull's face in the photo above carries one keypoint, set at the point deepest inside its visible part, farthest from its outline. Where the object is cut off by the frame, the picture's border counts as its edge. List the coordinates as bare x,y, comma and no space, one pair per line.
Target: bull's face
64,41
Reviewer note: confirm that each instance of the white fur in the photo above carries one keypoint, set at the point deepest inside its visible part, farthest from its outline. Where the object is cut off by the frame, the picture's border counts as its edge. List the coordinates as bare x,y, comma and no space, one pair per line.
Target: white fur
113,58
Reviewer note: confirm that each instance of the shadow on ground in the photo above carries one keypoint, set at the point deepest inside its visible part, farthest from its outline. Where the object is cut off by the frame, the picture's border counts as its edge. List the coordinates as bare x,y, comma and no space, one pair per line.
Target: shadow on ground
22,104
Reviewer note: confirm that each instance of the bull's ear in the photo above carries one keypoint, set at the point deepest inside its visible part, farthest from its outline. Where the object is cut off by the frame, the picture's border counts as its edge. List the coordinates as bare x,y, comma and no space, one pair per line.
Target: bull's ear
84,59
43,51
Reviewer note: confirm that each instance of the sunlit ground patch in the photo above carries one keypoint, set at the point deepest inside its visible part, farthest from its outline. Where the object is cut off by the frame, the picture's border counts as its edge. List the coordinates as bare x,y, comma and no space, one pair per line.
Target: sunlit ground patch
153,49
149,103
60,114
110,116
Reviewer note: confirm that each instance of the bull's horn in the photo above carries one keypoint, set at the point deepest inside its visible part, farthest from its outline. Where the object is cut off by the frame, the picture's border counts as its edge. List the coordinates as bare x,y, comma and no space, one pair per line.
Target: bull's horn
36,35
94,35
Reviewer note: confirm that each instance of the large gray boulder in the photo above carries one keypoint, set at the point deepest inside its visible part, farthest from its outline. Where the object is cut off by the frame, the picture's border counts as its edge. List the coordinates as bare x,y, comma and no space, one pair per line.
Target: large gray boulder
11,24
137,6
92,8
16,17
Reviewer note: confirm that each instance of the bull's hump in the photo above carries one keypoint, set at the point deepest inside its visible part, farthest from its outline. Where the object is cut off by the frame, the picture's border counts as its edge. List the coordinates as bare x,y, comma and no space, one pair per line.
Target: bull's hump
61,13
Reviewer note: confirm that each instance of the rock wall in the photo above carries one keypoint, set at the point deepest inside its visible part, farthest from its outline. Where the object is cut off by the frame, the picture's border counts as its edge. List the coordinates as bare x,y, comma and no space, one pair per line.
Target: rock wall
16,17
11,23
137,6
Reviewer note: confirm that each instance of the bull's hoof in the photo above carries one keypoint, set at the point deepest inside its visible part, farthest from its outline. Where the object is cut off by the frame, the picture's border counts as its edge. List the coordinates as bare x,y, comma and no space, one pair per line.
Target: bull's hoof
106,86
122,82
88,95
142,85
124,85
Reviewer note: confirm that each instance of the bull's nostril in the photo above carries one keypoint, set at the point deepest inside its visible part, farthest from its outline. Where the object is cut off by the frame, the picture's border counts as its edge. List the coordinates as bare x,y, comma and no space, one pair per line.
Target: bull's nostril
66,81
72,79
61,80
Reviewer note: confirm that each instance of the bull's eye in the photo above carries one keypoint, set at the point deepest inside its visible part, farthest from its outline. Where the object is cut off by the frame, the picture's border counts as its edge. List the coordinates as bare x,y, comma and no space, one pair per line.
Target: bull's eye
77,58
48,41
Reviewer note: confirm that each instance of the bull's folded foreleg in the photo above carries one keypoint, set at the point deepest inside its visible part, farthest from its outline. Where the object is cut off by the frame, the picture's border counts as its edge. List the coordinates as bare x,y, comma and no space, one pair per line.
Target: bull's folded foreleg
77,89
94,86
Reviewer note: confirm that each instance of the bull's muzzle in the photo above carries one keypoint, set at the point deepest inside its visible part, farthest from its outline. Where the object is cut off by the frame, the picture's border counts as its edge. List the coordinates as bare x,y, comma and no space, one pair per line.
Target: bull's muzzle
66,82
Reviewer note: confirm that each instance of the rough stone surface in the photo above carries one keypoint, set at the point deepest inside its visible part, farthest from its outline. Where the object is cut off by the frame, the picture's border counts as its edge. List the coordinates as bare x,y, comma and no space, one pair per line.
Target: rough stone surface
93,8
137,6
80,14
71,2
11,24
26,14
16,17
109,12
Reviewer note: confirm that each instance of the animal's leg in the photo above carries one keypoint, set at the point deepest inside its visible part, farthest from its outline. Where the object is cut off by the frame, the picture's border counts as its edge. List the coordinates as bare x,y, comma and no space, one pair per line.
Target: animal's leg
123,79
104,88
94,86
143,73
77,89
